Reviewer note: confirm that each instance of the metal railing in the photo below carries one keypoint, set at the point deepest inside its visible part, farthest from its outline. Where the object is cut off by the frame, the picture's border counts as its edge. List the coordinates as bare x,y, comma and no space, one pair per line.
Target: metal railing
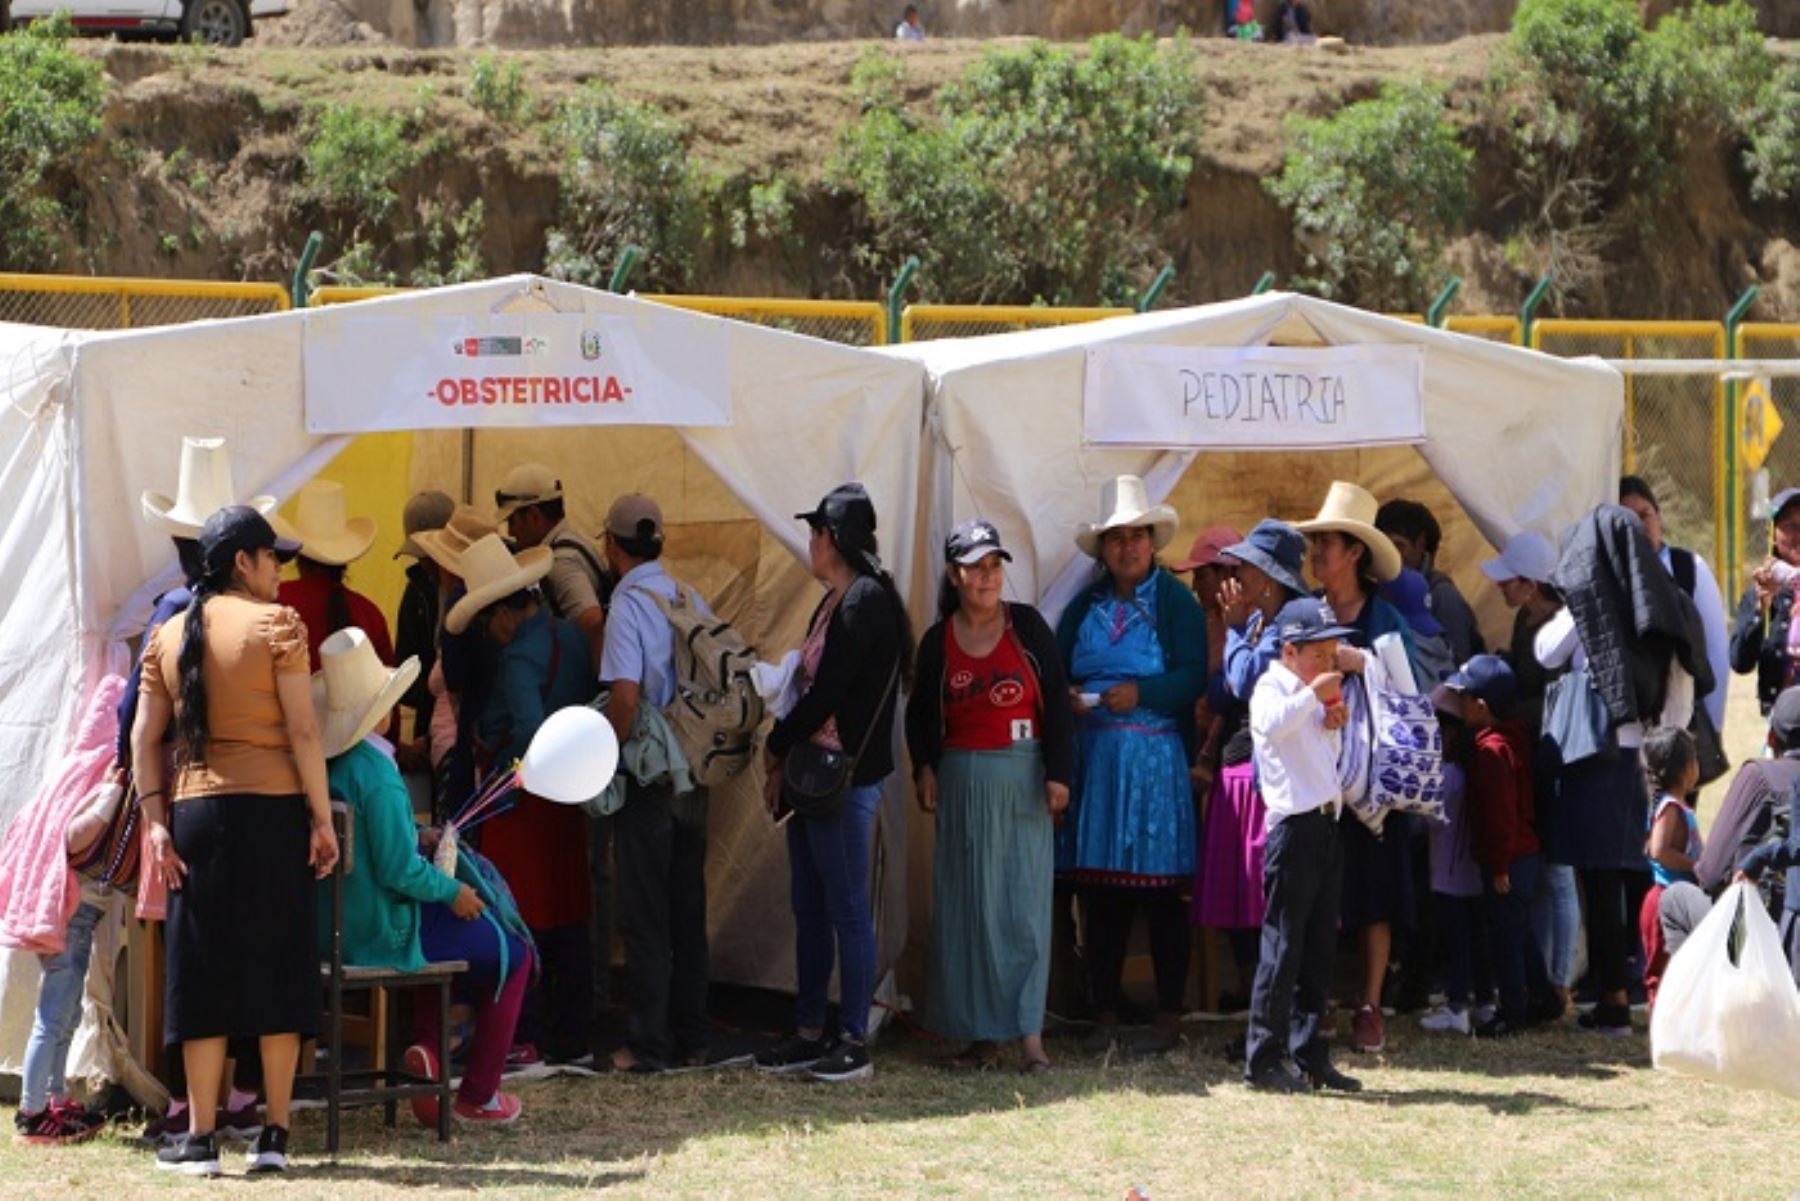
102,302
852,322
927,322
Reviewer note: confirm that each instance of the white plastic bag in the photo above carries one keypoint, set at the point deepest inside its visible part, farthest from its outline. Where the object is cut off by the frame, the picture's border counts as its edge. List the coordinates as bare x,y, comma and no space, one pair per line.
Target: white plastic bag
1733,1020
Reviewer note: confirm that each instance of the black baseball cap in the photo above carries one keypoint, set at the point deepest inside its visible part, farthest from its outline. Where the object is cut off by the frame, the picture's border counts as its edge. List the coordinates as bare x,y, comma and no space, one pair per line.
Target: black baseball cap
973,541
239,527
845,509
1308,619
1489,679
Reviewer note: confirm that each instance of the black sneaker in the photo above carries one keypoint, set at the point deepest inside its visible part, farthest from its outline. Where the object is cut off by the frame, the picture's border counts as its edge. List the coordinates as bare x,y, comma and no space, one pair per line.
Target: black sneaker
848,1060
1614,1021
1275,1079
792,1054
1328,1078
1498,1028
191,1155
270,1152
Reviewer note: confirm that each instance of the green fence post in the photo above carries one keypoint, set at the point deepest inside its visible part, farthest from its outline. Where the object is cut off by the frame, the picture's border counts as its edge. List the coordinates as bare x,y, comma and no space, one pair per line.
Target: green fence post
1264,282
1734,484
621,275
1148,300
1440,308
897,293
1528,310
302,291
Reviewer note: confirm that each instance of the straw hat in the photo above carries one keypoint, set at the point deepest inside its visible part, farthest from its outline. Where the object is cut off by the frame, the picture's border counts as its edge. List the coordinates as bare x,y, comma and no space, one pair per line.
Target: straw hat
352,691
1125,503
324,528
493,573
1349,509
202,489
447,546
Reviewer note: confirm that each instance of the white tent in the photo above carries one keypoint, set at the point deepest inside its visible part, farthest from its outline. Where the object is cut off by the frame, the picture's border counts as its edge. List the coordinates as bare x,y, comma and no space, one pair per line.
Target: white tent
95,419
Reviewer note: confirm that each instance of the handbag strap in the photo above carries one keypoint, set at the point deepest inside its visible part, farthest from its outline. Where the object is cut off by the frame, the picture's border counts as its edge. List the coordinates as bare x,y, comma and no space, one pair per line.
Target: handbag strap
875,718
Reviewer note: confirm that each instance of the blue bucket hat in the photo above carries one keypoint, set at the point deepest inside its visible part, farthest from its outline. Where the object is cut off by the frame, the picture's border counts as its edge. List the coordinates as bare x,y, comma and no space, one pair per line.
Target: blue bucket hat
1409,593
1276,549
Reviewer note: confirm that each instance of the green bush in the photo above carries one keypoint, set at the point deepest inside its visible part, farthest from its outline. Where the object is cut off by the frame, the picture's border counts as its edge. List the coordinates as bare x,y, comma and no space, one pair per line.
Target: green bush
50,101
626,180
498,89
1374,190
354,158
1773,153
1043,174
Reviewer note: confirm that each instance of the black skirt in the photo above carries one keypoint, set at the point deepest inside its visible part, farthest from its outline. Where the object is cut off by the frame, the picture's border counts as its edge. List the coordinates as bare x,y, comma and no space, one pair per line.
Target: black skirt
242,954
1378,880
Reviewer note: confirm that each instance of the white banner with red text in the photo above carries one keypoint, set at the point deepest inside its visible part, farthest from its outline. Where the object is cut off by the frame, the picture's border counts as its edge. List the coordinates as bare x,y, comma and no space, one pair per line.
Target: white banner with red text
1254,397
375,372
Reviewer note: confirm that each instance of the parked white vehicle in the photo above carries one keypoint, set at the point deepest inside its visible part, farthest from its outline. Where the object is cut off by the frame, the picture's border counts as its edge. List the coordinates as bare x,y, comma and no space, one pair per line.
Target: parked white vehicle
214,22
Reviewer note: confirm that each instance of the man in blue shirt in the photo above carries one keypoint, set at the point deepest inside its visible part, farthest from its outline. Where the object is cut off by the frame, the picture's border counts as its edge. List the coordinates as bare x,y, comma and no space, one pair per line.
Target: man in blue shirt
659,837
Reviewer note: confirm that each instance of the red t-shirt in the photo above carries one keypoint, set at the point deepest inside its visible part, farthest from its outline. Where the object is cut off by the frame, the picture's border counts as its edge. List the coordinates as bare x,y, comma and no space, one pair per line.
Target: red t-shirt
989,703
310,596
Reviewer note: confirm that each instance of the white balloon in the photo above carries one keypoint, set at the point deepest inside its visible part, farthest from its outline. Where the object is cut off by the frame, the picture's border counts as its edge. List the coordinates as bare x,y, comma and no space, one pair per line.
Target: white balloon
572,757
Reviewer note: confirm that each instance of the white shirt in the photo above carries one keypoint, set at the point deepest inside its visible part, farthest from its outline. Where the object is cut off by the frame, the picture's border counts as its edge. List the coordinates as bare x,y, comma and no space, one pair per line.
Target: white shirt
1558,643
1296,756
1712,619
909,33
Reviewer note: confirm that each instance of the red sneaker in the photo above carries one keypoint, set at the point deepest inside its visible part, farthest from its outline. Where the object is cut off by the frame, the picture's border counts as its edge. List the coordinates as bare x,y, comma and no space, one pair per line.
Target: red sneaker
1368,1030
523,1055
502,1110
48,1127
419,1061
74,1113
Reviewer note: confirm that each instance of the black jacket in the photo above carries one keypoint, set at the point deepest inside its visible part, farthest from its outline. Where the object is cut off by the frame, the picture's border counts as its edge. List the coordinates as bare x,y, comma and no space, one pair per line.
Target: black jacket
1631,615
1760,643
415,633
862,645
925,707
1780,854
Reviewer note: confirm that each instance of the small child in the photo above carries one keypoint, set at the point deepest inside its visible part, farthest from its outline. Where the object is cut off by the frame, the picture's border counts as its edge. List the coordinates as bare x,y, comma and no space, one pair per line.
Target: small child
47,1114
1296,713
1502,806
1456,889
1673,845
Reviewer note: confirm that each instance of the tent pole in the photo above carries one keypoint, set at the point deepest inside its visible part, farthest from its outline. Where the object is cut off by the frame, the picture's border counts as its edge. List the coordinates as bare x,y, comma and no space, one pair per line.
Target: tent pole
468,467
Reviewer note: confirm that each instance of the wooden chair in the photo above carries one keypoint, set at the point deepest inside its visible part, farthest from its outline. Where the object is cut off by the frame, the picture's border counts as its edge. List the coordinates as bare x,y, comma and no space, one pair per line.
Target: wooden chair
382,1083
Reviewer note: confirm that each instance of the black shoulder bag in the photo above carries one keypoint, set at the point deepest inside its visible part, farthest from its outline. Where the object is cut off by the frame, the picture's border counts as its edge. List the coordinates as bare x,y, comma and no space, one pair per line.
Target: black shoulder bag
815,779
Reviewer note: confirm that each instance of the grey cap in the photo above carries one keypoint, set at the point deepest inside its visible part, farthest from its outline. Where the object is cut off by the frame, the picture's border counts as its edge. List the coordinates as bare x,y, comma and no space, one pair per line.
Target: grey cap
425,511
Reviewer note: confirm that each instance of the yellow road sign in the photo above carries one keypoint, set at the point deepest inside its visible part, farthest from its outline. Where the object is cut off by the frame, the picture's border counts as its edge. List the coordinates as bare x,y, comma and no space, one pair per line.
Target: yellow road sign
1760,424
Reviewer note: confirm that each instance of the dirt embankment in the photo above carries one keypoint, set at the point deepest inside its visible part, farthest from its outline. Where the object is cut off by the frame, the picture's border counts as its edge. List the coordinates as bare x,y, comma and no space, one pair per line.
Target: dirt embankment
200,174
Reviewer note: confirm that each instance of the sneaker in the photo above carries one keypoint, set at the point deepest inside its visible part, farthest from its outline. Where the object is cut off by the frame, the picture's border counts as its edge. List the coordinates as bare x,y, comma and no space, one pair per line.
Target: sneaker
1613,1021
1545,1011
48,1127
501,1109
191,1155
1328,1078
848,1060
523,1055
1445,1020
1498,1028
1486,1013
791,1054
163,1131
419,1061
270,1152
1275,1079
1368,1030
74,1113
243,1123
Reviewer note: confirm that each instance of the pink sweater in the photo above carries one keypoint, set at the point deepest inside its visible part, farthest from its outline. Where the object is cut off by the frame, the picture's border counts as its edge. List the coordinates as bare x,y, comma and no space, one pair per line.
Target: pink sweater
38,892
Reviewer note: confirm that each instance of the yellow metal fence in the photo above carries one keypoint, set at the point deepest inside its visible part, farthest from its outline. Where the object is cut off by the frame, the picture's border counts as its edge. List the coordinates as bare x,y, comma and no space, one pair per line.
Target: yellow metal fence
99,302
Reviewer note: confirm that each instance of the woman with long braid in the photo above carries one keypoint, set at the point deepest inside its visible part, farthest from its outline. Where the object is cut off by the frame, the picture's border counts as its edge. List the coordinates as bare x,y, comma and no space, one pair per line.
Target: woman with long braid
248,832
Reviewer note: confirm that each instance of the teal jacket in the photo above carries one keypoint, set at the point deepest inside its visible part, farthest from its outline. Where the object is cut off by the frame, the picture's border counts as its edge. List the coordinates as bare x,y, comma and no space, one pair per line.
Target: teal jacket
544,668
389,879
1180,628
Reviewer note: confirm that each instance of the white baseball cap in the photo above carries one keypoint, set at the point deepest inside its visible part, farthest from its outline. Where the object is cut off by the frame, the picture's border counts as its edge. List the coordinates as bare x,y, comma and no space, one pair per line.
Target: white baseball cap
1527,556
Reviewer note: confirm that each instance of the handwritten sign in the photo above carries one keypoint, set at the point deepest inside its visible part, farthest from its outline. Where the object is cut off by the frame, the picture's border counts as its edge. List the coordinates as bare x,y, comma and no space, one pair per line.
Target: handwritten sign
367,372
1254,397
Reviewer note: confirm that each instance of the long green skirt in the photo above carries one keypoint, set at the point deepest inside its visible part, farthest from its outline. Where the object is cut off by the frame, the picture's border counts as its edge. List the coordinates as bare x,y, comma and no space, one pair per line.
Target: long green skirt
991,881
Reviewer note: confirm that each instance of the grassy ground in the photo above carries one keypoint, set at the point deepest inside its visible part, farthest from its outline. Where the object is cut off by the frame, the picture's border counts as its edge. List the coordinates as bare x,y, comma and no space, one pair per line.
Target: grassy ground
1554,1113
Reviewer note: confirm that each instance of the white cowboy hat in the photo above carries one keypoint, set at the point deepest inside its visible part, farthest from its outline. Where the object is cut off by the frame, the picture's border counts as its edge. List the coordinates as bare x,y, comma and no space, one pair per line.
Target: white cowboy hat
492,573
352,691
1349,509
1125,503
448,545
202,489
325,530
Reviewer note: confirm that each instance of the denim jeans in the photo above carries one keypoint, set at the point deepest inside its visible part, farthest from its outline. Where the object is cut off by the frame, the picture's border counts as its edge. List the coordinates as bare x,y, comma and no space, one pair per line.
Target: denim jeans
58,1013
1468,968
828,863
1518,964
1556,919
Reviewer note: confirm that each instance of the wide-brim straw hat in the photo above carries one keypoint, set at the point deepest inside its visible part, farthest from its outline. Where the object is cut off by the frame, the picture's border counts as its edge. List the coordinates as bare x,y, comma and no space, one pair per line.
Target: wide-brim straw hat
1350,509
447,546
324,528
1125,504
353,691
492,573
202,488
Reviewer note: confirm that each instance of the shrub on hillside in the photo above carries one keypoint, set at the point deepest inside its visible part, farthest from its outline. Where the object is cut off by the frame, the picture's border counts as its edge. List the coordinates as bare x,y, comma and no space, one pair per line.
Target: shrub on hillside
1044,173
1375,189
626,180
50,99
498,89
354,158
